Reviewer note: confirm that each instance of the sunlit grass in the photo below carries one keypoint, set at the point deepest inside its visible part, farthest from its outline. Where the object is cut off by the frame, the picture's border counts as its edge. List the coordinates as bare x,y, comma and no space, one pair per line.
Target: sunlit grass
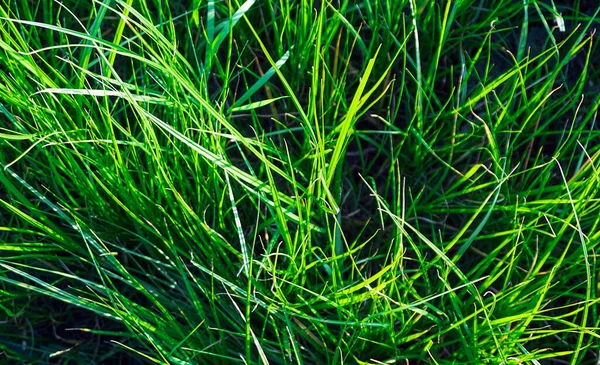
346,182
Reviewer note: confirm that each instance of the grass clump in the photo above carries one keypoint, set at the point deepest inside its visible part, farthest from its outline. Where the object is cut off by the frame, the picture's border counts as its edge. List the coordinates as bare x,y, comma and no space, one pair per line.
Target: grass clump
309,182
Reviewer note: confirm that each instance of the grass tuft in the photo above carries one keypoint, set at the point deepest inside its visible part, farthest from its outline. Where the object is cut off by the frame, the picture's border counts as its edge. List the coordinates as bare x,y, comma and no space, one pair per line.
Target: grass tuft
299,182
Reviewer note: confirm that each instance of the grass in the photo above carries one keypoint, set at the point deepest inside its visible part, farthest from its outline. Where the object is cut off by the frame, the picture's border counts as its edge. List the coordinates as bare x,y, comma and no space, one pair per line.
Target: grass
299,182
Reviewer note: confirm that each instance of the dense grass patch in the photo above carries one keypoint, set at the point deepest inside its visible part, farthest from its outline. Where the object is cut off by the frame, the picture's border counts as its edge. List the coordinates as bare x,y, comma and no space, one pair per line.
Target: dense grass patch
299,182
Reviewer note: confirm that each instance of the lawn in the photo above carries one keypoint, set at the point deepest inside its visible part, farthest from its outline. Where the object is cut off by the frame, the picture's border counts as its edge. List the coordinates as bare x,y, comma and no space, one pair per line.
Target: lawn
299,182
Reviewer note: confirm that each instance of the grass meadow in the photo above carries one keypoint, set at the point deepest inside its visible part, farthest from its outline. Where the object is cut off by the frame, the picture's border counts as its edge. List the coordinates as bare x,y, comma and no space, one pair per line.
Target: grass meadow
299,182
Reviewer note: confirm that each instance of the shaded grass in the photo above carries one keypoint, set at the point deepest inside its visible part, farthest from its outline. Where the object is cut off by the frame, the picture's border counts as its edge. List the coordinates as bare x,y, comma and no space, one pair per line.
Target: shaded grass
307,182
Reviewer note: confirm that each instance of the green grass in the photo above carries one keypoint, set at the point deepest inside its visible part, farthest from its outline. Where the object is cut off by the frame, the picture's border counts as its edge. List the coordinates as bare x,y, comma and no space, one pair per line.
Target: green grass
299,182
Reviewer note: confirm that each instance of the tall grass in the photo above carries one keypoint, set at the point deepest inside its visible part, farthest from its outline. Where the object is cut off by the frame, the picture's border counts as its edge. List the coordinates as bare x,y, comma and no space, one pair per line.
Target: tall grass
299,182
